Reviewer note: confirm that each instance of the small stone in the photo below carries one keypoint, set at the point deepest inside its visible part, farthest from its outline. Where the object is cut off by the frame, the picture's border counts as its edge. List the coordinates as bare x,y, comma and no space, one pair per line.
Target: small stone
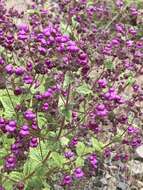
139,151
136,167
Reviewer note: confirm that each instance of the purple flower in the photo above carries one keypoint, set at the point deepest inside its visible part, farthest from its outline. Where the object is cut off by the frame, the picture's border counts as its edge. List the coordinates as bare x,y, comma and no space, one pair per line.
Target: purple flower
135,142
133,11
132,130
2,188
2,61
17,91
23,27
132,31
15,147
74,141
48,93
10,162
2,122
94,127
45,106
82,56
107,152
119,3
129,43
135,87
11,126
29,115
93,160
9,69
28,79
78,173
102,83
24,131
67,180
101,110
42,50
115,42
69,154
73,49
34,142
62,39
120,28
19,71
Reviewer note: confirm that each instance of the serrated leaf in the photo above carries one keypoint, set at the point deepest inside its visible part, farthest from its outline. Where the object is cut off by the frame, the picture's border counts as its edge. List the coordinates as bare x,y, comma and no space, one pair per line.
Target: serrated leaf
109,65
67,113
8,103
58,159
67,80
79,162
80,148
16,175
130,80
8,184
64,141
84,89
97,145
41,119
118,137
30,166
35,183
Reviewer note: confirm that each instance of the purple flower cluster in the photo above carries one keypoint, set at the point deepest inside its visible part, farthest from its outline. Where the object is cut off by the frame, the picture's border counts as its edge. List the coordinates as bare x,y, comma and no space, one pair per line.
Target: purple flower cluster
74,72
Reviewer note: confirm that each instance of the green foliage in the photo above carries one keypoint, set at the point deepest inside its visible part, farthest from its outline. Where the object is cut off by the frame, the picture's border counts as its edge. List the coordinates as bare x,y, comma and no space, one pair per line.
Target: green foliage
58,159
97,145
109,64
80,148
84,89
67,113
41,119
17,176
130,80
8,102
64,141
79,162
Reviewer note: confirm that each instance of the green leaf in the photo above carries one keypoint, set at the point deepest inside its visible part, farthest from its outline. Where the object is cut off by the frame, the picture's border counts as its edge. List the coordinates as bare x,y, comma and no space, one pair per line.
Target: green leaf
46,186
29,167
84,89
79,162
33,11
36,154
16,176
118,137
64,141
8,102
2,49
58,159
51,145
97,145
130,80
3,153
41,171
109,65
68,80
66,29
35,158
41,119
8,184
35,183
67,113
89,150
80,148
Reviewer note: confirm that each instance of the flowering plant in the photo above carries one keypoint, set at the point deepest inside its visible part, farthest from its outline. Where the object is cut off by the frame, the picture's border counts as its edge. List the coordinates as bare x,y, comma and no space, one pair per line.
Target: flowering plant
70,91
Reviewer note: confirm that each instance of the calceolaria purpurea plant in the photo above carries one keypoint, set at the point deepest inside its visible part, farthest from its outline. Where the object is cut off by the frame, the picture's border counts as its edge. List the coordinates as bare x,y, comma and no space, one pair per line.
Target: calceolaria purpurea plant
71,93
